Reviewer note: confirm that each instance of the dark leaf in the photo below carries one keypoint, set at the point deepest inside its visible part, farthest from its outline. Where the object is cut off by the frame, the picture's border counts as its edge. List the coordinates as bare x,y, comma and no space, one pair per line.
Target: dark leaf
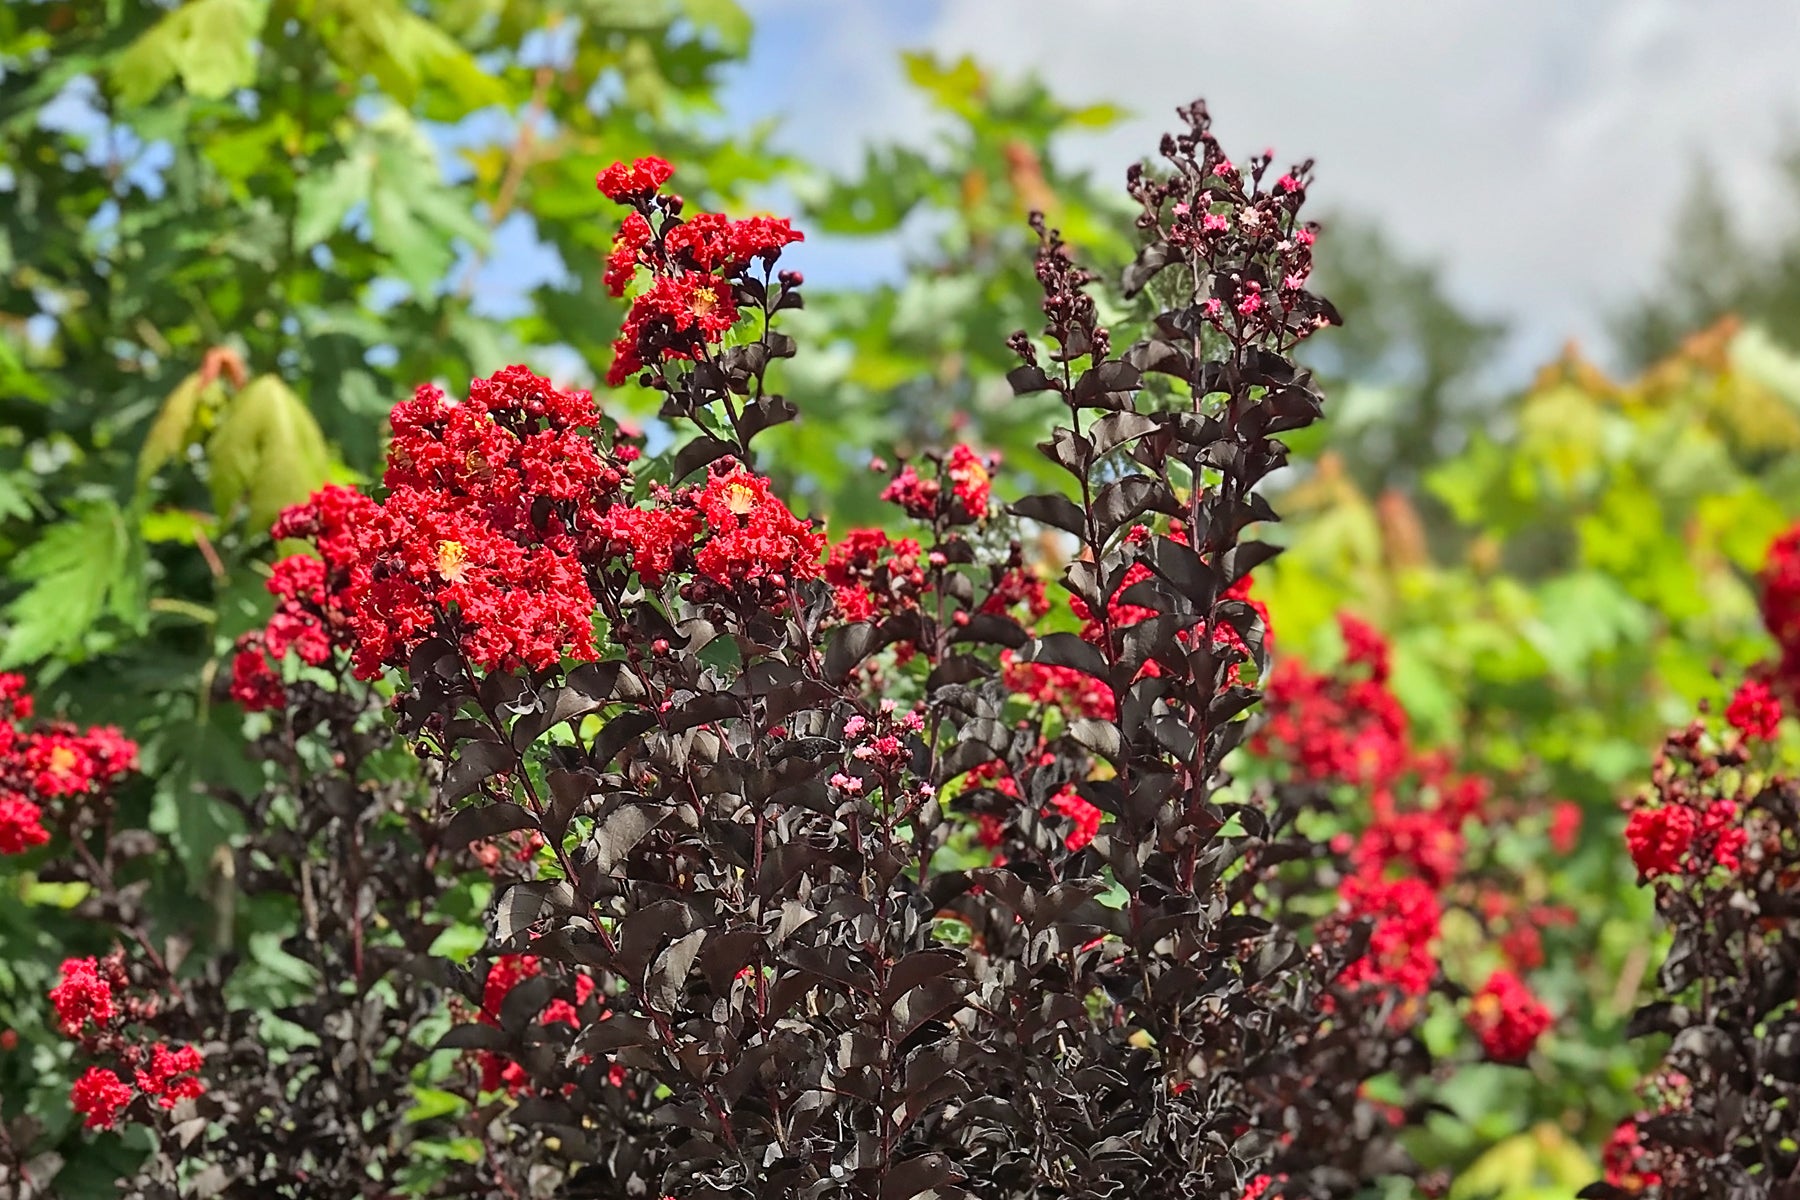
1115,429
1047,508
525,1002
1028,378
477,762
917,1176
472,1035
1107,385
990,629
848,647
668,978
621,828
1066,650
1242,559
620,732
701,452
486,821
1150,260
915,969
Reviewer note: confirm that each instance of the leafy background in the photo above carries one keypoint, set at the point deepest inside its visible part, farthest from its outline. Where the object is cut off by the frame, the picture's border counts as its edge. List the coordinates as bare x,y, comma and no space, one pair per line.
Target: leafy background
233,232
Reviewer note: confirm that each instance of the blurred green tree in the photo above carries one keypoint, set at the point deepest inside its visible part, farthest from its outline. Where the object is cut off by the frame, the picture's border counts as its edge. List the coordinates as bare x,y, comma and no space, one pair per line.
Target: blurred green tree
1716,267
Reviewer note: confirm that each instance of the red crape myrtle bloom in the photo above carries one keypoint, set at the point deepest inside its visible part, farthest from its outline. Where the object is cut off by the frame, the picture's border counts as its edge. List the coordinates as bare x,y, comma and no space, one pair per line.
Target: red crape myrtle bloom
733,533
1507,1018
753,536
1402,943
171,1076
623,181
21,825
507,973
81,996
1781,607
1345,727
970,480
491,505
1625,1160
1754,711
1658,838
52,764
695,265
873,575
99,1096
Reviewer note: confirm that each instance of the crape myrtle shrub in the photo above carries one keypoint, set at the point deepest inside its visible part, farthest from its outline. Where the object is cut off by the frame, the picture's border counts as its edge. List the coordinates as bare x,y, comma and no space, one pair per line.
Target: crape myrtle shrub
1715,835
848,869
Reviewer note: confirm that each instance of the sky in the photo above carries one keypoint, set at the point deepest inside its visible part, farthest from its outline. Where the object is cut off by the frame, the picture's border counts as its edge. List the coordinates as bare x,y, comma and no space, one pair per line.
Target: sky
1538,149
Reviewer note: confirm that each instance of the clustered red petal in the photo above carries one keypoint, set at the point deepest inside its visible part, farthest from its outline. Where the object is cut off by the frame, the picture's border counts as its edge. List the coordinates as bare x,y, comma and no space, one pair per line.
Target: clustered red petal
732,533
1658,838
625,181
873,575
51,765
492,506
1626,1160
1781,608
171,1076
507,972
1754,711
696,265
970,479
1507,1018
82,996
95,1006
1402,952
99,1096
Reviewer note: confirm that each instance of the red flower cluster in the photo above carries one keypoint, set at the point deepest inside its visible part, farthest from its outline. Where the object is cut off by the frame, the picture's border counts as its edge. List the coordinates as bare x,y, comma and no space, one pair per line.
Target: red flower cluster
1754,711
1781,607
171,1075
1507,1018
1348,728
1342,728
54,762
991,822
1058,687
1259,1184
491,505
753,536
93,1006
628,181
1626,1160
99,1096
507,973
695,264
966,499
82,995
732,532
1402,941
874,575
1679,839
1658,839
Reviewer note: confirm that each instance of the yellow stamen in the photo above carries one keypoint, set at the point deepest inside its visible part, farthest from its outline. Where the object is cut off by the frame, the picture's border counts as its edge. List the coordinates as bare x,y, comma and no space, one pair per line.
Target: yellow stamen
452,561
740,498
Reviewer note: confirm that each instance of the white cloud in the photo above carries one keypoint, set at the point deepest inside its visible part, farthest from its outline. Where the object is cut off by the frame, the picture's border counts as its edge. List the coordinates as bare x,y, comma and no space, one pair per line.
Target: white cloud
1539,148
